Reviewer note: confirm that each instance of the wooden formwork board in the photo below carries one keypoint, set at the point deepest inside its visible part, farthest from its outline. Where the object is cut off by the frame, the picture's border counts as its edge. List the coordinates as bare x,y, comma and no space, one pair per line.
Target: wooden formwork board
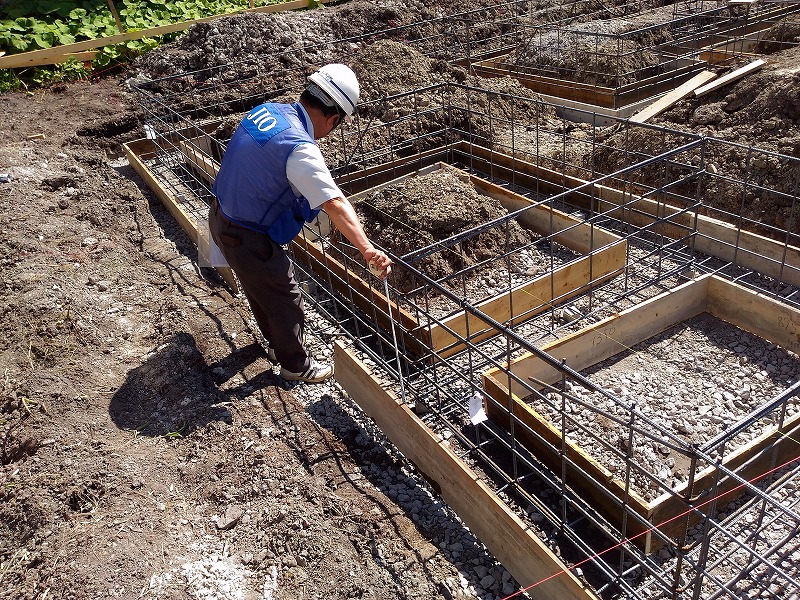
561,88
137,153
595,95
739,306
673,97
714,237
525,556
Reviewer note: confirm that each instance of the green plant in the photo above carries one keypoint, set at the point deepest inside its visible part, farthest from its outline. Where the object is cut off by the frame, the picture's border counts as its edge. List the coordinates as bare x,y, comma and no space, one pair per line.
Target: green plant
27,25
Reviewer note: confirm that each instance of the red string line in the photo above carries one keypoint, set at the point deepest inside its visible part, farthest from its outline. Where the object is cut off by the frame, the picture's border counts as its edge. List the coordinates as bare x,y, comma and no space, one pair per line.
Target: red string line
654,527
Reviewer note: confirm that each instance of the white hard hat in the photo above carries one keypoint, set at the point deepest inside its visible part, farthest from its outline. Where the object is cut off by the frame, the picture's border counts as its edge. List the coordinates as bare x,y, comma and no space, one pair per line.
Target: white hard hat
339,83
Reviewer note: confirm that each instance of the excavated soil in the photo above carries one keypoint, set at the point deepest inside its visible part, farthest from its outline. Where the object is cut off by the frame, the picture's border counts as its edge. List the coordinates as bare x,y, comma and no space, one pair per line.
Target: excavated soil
608,53
761,110
422,210
148,450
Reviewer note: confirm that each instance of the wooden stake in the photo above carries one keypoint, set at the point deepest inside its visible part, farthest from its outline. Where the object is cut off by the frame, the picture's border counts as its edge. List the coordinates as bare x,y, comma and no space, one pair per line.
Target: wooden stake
116,16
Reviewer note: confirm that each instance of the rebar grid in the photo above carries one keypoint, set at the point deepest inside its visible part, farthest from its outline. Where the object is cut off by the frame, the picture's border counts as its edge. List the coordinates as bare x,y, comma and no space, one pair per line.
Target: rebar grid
660,178
614,62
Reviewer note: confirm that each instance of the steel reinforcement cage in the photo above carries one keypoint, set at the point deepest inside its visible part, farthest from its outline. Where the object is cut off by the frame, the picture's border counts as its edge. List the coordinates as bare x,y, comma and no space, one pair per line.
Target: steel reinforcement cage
621,246
611,62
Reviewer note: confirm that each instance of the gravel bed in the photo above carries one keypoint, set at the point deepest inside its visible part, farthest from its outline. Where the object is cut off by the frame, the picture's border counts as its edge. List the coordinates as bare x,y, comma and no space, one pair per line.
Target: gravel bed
691,381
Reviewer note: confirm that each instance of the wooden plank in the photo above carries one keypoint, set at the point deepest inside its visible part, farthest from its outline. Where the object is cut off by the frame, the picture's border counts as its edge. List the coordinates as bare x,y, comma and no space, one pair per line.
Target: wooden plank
548,221
525,556
613,335
530,299
715,237
205,166
79,56
729,78
514,169
368,178
762,316
673,97
134,151
728,51
26,59
561,88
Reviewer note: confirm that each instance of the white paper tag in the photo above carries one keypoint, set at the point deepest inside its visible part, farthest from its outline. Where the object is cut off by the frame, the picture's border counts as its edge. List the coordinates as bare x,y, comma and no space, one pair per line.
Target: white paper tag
208,254
476,412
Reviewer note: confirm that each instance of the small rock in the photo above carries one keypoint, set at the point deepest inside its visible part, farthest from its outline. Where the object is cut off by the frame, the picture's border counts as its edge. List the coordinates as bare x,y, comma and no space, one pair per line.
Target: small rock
230,519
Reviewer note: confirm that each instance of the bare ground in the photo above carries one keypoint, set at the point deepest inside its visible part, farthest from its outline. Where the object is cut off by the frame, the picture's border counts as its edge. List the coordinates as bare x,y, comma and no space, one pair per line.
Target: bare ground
147,448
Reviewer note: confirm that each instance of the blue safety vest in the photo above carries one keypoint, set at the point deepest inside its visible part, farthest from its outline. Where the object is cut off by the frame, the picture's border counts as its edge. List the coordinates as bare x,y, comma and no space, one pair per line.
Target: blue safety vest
251,186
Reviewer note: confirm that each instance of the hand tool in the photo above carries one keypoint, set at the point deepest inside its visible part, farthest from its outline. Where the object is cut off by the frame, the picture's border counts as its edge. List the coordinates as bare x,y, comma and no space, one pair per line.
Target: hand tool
377,272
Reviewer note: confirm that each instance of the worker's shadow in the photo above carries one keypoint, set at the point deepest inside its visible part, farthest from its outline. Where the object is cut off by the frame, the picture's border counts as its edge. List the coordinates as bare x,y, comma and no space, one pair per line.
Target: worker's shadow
175,391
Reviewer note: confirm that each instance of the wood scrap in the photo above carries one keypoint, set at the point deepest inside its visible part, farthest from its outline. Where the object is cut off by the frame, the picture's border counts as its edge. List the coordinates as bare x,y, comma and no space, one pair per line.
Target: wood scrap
729,78
673,97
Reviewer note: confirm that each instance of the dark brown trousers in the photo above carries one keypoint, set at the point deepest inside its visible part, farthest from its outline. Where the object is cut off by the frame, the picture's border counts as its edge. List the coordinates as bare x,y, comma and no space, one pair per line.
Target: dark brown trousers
267,279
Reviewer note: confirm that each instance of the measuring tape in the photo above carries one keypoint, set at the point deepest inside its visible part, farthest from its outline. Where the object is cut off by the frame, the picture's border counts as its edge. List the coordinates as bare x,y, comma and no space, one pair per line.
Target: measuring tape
373,268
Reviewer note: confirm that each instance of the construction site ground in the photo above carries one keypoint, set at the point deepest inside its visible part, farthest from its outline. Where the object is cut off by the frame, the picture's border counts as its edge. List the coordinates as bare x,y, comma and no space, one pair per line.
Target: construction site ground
148,449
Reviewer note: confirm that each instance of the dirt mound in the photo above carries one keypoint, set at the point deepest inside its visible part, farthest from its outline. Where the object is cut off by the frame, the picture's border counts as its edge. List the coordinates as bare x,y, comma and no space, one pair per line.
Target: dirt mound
388,67
298,39
425,209
762,109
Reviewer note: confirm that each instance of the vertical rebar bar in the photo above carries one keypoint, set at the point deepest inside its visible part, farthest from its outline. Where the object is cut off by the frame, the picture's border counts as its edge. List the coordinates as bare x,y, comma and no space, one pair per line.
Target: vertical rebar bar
680,547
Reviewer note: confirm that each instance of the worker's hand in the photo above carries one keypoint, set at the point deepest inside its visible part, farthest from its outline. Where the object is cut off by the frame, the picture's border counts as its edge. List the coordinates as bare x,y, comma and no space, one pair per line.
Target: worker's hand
379,264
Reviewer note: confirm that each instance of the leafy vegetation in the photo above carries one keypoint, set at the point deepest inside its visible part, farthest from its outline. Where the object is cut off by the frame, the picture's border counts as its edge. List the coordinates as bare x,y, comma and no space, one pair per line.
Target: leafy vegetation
27,25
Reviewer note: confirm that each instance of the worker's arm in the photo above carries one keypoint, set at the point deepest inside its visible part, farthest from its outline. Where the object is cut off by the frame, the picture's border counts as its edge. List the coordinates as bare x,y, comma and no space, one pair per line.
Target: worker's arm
345,219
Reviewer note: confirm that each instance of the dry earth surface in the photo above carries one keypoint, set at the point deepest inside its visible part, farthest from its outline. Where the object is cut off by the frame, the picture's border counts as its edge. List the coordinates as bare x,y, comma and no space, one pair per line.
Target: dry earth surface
147,448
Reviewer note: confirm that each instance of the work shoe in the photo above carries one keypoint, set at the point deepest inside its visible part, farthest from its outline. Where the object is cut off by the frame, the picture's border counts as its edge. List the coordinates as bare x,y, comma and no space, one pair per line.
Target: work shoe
314,374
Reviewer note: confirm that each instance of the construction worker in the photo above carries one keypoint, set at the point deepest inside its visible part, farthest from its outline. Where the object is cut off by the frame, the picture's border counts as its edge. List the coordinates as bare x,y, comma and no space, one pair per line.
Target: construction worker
272,179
